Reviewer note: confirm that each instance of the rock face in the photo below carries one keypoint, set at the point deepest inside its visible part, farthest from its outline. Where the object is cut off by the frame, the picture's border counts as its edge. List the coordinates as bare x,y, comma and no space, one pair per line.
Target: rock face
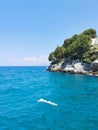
94,41
76,67
94,66
78,54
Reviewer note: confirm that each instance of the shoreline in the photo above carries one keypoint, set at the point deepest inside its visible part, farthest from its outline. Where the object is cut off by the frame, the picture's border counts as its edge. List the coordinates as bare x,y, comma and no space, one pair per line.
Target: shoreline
89,74
75,67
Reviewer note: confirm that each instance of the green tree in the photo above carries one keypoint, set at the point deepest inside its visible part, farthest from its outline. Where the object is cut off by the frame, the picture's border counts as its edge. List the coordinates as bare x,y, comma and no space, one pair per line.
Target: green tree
51,56
67,42
59,52
83,44
90,32
78,46
74,38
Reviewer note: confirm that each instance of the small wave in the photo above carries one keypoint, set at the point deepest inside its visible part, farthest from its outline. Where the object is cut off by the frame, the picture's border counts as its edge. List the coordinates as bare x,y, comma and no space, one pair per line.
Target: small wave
48,102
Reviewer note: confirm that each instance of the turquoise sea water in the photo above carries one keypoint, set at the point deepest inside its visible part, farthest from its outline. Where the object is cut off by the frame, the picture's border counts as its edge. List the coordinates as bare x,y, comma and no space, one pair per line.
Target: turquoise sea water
21,87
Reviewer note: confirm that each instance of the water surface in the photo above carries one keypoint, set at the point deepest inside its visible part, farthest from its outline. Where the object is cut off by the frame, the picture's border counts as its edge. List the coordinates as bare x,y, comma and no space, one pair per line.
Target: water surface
21,87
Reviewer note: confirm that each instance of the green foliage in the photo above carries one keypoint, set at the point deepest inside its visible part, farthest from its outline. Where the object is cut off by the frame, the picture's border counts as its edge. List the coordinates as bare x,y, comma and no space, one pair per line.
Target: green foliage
59,52
89,56
76,47
74,38
94,48
67,42
93,57
83,44
90,32
70,50
51,56
87,60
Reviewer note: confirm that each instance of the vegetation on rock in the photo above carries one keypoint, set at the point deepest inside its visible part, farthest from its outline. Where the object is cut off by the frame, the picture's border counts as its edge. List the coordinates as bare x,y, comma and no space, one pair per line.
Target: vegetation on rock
76,47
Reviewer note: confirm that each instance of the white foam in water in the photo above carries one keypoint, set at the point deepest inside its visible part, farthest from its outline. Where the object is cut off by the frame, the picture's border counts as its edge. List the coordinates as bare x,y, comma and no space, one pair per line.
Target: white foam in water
48,102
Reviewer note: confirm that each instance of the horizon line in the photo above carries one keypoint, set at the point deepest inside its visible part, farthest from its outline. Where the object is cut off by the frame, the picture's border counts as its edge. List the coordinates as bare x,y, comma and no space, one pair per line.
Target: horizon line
23,65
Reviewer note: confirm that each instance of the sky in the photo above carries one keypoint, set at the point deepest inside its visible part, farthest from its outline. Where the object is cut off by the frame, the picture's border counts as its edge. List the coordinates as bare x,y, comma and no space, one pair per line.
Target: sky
31,29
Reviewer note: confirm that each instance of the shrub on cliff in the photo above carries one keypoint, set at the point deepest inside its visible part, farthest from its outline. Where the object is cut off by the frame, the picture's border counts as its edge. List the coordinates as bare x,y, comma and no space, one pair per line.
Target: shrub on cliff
90,32
89,56
69,41
83,44
51,57
76,47
59,52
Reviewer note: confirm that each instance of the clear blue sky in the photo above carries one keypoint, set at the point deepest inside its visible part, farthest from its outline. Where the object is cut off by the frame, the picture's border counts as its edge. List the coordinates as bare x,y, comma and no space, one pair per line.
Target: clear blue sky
31,29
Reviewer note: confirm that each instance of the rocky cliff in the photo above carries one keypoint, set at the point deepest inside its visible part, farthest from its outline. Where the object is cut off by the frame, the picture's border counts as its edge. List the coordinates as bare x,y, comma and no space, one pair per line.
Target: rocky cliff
84,62
75,67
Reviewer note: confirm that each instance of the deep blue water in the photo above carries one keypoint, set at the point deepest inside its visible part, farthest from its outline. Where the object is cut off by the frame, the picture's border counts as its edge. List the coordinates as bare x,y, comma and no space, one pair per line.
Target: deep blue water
21,87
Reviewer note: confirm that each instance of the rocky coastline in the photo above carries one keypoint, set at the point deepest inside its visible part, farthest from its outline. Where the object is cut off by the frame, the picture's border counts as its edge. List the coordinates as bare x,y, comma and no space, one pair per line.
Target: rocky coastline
77,55
75,67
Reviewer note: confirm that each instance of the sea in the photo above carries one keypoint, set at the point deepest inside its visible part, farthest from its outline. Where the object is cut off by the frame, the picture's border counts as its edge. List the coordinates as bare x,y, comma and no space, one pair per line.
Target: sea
76,97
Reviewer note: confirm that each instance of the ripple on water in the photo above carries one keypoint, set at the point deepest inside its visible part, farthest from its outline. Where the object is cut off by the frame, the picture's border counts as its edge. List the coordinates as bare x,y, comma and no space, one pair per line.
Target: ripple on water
21,87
